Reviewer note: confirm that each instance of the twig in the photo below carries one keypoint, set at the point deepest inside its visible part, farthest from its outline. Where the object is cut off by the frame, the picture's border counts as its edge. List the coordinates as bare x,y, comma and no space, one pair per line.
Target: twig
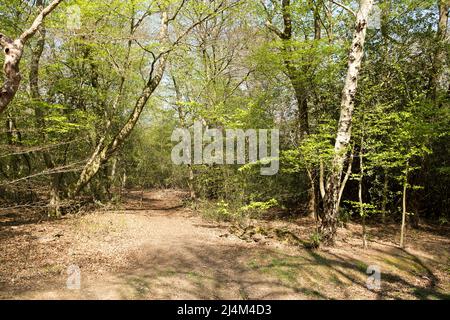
343,6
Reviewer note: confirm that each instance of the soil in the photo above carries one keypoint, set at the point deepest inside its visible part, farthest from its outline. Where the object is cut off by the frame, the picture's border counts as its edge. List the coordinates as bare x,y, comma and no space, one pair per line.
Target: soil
153,247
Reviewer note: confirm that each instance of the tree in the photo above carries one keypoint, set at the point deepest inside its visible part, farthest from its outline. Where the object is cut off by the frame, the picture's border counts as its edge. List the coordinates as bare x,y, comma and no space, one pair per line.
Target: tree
438,74
331,206
303,55
13,51
103,150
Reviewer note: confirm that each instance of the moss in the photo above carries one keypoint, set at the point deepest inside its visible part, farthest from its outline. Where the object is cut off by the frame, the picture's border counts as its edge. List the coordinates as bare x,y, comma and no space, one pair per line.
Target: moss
140,286
362,266
53,269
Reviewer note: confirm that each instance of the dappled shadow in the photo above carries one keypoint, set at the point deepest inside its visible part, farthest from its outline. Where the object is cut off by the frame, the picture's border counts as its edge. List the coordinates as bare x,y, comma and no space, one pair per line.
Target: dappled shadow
190,259
212,272
207,271
420,269
199,270
18,217
7,233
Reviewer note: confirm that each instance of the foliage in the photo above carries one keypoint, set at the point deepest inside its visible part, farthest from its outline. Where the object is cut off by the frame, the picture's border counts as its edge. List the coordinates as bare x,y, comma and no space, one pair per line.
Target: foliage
229,70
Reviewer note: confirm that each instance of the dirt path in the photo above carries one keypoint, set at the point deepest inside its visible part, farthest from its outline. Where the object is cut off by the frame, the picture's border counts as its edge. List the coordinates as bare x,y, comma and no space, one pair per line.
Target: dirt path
153,248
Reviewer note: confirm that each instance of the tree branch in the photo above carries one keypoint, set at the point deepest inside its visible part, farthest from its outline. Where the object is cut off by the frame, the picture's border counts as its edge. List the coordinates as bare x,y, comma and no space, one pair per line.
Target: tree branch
343,6
13,50
274,29
38,21
178,11
287,19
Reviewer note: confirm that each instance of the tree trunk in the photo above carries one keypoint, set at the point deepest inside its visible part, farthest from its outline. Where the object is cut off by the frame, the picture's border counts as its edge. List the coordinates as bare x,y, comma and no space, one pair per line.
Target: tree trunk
302,102
13,50
36,53
112,175
437,77
317,23
182,118
360,195
104,152
346,177
331,207
312,206
295,75
384,201
402,230
364,231
191,183
322,180
330,19
54,205
123,183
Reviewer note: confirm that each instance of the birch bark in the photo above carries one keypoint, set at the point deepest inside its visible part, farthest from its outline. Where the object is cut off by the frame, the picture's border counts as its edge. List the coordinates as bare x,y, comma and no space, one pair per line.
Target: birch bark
331,203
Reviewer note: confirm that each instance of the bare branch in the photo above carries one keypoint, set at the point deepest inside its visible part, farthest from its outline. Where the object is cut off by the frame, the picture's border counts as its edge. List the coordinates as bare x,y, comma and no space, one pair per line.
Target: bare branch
343,6
73,167
266,10
141,19
178,11
274,29
286,34
38,21
220,8
20,151
13,51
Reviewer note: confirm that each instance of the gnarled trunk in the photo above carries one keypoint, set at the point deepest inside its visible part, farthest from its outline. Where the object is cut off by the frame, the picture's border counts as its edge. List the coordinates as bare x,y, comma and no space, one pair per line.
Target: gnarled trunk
13,50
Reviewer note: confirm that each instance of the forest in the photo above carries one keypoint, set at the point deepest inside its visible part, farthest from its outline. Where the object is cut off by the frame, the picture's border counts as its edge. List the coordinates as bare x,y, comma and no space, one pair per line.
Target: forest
225,149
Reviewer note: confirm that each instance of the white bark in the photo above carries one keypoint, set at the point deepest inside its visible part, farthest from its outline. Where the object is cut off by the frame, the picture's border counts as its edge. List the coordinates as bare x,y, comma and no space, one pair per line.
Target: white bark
360,194
331,206
346,177
13,51
438,81
405,188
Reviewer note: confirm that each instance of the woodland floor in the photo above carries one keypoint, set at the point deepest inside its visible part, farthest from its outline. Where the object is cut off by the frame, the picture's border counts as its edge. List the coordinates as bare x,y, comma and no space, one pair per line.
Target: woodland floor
154,248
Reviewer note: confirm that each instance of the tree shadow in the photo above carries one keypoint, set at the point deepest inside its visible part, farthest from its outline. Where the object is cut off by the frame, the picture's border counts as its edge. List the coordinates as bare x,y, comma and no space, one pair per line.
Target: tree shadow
15,218
212,272
240,272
